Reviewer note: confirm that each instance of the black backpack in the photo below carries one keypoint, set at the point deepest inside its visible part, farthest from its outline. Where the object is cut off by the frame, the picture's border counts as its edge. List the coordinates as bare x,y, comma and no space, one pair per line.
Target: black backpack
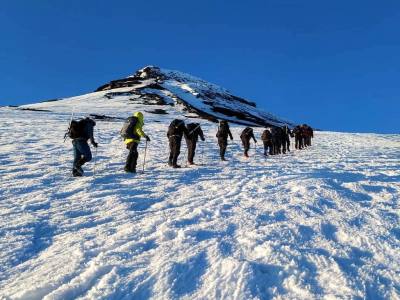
76,129
175,127
223,129
247,132
266,135
127,130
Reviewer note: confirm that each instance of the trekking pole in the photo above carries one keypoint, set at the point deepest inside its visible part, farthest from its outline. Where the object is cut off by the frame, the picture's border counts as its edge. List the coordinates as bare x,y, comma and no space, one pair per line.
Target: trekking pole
70,121
144,158
95,161
184,156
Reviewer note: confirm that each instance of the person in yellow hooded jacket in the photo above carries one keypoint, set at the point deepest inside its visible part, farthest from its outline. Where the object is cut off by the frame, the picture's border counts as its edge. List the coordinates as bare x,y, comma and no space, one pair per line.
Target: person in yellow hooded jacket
133,141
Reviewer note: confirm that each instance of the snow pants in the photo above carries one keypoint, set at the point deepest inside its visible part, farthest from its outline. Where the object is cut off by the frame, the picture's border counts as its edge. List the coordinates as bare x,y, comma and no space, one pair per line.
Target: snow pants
222,143
82,153
191,144
246,146
268,147
131,160
174,149
286,145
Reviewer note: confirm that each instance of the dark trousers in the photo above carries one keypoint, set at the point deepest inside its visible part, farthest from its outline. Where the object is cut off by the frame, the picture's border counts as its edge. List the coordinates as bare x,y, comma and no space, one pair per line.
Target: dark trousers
298,142
267,147
276,144
191,150
82,152
222,143
174,149
286,145
246,146
131,160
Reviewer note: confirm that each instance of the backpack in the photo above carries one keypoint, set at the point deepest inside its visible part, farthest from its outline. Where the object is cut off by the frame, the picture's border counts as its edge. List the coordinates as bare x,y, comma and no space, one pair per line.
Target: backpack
173,128
247,132
76,129
266,135
223,129
127,130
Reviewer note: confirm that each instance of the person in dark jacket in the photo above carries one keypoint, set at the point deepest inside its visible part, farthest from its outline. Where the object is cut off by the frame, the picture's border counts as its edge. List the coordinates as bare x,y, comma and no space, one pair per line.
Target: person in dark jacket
286,133
298,137
176,131
82,153
222,136
133,143
308,135
195,132
266,137
277,140
245,136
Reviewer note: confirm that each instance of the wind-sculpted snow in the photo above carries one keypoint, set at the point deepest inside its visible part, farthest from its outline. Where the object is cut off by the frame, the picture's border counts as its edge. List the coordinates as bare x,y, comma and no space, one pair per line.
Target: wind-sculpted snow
318,223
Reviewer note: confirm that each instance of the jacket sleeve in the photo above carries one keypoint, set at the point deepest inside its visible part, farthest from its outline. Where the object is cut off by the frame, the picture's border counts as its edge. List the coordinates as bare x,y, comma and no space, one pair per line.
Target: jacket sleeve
254,138
230,134
90,133
139,131
186,132
201,134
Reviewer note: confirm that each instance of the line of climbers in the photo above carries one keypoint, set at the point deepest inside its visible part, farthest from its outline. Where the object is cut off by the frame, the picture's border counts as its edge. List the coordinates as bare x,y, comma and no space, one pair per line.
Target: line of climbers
276,140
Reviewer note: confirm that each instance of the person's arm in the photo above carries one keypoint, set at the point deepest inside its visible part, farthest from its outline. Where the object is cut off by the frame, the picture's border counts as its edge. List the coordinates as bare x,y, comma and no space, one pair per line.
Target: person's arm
254,138
186,132
91,137
230,134
141,133
201,134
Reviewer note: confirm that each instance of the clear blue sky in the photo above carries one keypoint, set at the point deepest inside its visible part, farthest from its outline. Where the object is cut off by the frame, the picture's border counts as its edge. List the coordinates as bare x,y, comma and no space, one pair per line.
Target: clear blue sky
332,64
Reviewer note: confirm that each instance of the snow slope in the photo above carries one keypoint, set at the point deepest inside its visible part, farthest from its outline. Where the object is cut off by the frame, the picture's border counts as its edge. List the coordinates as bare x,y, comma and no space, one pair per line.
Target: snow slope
319,223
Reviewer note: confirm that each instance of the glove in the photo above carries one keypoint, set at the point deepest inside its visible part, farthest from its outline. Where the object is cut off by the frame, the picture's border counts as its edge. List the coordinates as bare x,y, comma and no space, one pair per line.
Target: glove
231,139
95,144
203,139
147,138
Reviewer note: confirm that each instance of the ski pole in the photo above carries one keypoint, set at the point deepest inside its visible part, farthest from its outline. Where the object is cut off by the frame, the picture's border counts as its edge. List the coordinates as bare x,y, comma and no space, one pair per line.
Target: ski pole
95,161
144,158
184,156
70,121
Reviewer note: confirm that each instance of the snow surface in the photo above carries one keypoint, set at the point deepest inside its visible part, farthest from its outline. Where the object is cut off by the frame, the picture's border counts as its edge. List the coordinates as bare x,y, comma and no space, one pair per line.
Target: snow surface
313,224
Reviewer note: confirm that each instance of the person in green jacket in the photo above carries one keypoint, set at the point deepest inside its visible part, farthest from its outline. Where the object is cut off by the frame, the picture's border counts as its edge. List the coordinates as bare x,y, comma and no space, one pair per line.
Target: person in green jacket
132,143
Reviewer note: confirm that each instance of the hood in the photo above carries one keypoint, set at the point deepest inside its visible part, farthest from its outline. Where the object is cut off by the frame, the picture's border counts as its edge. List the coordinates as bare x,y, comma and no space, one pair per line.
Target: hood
139,116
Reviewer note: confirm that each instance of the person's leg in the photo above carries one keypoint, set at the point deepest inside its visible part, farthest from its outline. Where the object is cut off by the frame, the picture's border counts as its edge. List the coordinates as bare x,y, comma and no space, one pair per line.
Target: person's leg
133,151
76,169
222,148
82,154
176,151
246,144
85,150
191,151
129,158
283,146
171,153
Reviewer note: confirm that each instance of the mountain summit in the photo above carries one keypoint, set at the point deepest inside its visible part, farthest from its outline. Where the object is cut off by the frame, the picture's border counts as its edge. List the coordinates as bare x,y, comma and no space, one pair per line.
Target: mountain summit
153,85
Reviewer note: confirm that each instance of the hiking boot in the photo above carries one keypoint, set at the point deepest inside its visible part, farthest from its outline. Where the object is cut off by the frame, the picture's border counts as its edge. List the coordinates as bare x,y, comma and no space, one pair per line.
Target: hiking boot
176,166
128,170
76,172
79,169
191,163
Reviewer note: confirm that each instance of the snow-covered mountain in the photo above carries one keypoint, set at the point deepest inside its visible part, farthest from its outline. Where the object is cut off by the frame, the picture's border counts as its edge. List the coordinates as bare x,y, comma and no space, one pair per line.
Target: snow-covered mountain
321,223
191,95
